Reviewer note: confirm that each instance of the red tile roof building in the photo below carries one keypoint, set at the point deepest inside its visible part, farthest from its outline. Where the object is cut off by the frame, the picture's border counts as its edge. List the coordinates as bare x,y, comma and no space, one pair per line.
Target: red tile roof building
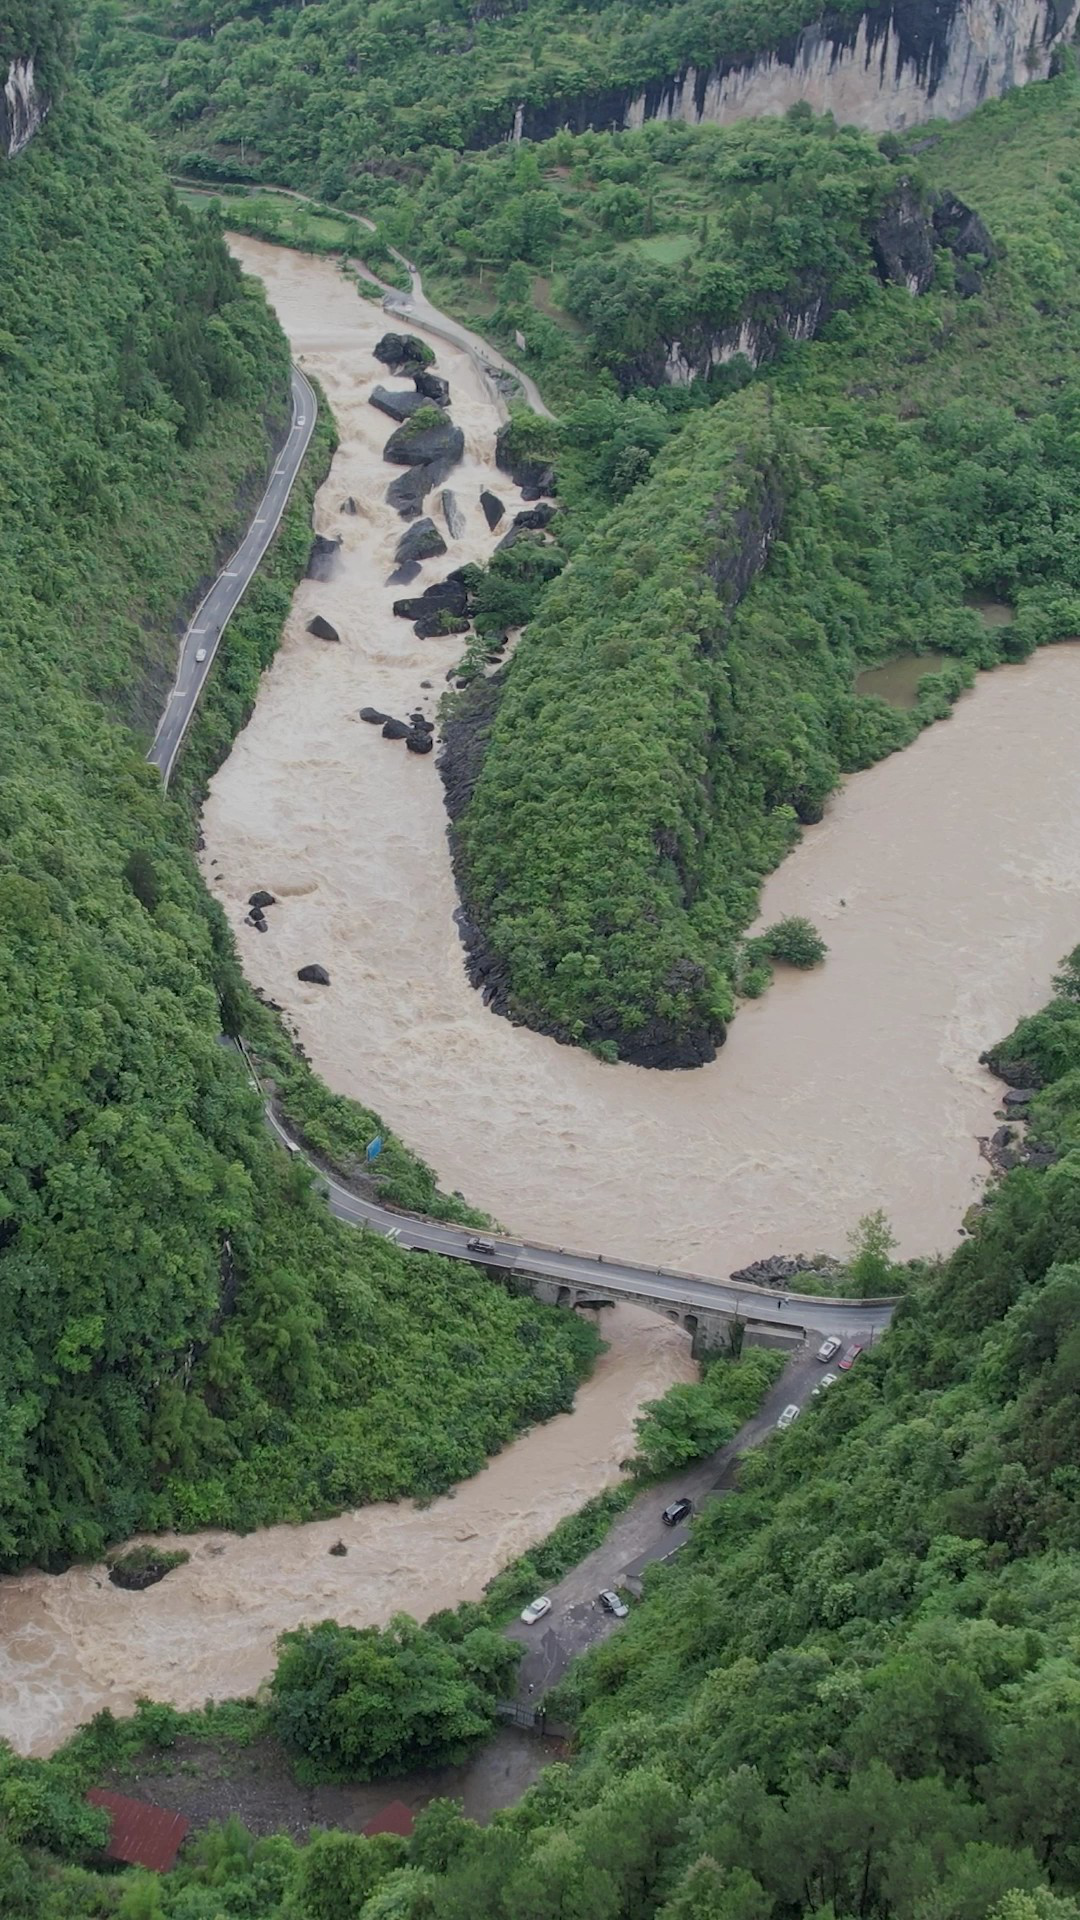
139,1834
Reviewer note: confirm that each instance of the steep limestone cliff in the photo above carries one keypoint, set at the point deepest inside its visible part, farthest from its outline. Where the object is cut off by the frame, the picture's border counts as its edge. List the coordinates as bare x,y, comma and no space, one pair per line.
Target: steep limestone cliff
884,69
23,107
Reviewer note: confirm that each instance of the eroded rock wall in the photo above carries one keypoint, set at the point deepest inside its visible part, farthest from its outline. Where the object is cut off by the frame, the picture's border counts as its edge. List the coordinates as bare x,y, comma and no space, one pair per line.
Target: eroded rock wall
23,107
885,69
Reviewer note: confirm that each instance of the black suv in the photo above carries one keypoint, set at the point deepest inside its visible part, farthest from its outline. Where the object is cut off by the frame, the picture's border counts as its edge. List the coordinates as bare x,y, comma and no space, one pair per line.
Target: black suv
479,1246
678,1510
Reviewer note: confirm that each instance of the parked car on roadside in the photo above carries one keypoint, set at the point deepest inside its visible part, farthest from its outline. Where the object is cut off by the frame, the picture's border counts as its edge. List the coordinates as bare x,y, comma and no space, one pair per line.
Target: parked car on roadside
827,1380
678,1510
849,1356
614,1603
789,1415
828,1348
536,1610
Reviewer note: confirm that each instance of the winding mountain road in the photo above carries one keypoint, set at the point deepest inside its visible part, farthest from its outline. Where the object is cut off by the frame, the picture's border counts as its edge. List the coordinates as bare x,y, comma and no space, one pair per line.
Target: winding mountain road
214,612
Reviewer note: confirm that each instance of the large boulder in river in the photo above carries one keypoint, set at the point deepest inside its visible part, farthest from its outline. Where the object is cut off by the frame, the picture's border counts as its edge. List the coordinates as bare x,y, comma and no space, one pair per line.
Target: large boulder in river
317,976
452,514
432,386
374,716
399,406
322,629
536,517
448,594
403,350
532,470
423,541
434,625
396,730
323,558
429,438
408,492
493,509
262,899
419,742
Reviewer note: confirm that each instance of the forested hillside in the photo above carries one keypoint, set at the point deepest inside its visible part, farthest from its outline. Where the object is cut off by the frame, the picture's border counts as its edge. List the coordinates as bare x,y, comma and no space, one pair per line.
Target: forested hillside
684,694
853,1694
328,100
184,1336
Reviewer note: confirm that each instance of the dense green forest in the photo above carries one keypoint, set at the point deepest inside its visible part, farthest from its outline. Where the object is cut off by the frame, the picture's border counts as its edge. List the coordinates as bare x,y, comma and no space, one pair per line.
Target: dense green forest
186,1338
676,708
853,1694
330,100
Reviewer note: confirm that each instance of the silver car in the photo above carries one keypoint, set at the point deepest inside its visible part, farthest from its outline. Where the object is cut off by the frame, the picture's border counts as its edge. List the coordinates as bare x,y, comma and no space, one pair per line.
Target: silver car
789,1415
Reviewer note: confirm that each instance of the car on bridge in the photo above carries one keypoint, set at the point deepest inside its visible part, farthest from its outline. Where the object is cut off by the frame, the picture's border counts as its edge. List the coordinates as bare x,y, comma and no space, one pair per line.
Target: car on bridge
536,1610
479,1246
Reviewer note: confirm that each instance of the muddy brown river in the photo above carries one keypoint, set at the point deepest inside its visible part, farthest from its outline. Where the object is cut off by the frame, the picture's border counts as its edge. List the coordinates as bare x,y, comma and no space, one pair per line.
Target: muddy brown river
946,882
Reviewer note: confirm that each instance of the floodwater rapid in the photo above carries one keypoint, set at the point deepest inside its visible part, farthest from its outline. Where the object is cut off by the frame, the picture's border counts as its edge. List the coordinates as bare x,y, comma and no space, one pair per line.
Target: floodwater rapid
72,1643
946,882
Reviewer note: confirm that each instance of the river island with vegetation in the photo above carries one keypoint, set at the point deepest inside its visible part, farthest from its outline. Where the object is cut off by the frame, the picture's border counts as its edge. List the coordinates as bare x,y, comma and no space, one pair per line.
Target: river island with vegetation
817,397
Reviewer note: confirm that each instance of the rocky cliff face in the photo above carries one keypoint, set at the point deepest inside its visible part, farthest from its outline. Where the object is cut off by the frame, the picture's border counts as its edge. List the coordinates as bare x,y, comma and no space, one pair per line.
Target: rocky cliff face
884,69
903,242
23,108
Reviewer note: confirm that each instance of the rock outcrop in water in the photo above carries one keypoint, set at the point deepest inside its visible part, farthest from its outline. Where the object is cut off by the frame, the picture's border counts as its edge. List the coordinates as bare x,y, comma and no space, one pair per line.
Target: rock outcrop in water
322,560
885,68
423,541
399,406
322,629
403,350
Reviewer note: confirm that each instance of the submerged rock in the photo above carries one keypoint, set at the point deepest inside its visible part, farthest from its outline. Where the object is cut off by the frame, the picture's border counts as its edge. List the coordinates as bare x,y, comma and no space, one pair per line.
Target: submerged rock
323,558
349,505
317,976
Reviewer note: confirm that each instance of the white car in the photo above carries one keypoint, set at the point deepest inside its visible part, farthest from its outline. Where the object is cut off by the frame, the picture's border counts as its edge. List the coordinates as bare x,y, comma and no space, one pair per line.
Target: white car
536,1610
789,1414
827,1380
827,1349
200,656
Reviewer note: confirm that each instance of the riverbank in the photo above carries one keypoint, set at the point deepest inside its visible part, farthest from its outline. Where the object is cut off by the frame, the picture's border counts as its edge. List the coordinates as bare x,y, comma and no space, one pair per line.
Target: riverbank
72,1643
946,881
